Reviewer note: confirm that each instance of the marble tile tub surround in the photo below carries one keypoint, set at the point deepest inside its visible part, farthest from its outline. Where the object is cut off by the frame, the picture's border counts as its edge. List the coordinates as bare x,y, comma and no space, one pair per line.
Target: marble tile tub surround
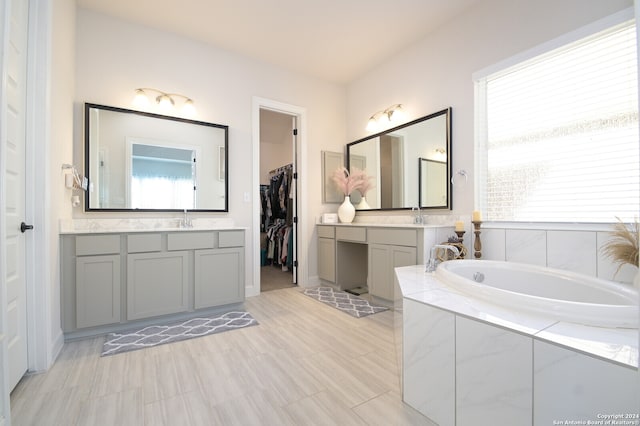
576,248
508,367
609,344
75,226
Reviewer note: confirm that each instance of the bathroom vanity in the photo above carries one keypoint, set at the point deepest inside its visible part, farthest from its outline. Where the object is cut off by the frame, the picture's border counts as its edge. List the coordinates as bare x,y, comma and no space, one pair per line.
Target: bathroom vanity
111,280
365,255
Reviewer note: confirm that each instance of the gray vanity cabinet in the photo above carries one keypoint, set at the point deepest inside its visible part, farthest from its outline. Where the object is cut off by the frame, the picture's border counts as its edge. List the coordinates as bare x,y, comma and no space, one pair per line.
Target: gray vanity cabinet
359,255
157,279
219,277
97,272
327,253
113,281
389,249
157,284
97,290
382,261
219,273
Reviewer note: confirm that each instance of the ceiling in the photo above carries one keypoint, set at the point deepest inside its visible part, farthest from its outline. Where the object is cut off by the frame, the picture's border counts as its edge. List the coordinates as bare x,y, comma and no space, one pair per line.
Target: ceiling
334,40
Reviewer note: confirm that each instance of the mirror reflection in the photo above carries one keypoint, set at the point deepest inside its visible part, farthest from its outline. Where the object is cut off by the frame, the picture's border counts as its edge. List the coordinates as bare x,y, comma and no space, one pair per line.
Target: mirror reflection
401,182
433,183
148,162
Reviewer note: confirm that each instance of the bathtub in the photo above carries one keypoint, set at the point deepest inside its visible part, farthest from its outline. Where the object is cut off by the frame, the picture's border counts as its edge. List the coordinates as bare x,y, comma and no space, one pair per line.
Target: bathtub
561,295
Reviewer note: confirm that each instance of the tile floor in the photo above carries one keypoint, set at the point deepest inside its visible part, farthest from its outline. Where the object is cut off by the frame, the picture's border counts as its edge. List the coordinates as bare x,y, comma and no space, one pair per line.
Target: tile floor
305,364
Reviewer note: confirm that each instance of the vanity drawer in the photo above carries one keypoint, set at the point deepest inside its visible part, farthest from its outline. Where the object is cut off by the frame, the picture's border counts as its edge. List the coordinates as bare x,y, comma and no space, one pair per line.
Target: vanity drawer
231,239
395,237
142,243
87,245
351,234
326,231
190,240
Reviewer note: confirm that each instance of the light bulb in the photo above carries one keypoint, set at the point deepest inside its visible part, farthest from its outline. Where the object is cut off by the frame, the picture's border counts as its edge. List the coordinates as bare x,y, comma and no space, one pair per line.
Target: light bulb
188,108
396,113
372,124
165,102
141,100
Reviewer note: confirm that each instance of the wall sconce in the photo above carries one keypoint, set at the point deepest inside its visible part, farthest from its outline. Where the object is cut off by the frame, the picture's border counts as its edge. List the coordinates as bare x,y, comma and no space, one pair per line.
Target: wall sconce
165,101
393,114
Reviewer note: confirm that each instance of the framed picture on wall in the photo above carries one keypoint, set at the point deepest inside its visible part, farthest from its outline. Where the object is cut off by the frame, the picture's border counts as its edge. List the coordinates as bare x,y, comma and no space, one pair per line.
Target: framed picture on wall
330,162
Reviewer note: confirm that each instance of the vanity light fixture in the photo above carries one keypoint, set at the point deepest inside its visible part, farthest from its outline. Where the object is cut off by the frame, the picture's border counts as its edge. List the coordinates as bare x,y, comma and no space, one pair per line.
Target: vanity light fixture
392,114
441,154
165,101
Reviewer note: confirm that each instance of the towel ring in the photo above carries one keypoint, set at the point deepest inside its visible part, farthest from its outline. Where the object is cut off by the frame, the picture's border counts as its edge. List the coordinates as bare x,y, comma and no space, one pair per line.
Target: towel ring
462,173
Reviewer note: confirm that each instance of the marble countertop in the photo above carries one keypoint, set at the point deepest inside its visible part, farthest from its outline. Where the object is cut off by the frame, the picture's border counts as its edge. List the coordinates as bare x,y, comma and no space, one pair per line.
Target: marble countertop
103,226
618,345
385,225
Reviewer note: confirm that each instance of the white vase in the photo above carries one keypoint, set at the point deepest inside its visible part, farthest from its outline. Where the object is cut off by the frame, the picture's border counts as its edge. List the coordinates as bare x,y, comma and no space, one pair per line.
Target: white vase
363,205
346,211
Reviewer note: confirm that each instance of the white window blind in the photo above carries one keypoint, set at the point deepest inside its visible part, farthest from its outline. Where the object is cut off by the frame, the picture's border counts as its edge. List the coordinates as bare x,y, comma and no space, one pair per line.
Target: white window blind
558,136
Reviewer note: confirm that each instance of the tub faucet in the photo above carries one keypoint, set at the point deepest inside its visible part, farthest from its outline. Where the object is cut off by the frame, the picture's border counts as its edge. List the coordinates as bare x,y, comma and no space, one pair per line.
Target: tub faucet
433,261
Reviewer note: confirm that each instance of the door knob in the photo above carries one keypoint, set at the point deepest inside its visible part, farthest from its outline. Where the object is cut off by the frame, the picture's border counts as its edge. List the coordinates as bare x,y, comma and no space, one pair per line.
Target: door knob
24,227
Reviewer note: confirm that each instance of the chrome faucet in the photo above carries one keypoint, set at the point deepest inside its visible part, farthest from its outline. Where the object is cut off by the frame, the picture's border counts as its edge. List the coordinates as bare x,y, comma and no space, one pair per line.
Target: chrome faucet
417,216
433,261
186,222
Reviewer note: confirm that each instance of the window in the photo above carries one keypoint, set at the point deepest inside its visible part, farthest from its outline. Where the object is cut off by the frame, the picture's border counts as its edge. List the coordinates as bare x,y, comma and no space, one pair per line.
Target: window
557,134
161,176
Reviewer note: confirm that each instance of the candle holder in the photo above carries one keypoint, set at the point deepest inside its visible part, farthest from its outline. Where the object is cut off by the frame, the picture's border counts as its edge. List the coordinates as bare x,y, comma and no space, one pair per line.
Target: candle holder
477,244
460,235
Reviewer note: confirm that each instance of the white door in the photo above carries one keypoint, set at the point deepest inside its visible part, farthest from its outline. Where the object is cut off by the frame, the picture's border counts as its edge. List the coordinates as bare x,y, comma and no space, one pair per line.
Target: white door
13,115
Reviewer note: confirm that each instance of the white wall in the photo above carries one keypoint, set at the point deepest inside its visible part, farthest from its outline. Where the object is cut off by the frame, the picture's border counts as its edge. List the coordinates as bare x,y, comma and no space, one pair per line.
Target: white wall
436,72
276,146
56,79
115,57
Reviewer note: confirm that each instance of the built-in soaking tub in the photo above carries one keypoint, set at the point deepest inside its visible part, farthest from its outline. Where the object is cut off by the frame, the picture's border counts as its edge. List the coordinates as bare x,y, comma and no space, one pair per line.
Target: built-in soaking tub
562,295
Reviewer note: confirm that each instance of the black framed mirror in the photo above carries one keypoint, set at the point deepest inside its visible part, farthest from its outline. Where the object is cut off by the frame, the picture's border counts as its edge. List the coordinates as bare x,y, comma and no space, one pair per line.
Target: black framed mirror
139,161
401,182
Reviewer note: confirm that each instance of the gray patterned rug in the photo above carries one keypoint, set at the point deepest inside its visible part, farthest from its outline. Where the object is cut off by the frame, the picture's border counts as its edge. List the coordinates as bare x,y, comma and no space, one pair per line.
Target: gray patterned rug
154,335
352,305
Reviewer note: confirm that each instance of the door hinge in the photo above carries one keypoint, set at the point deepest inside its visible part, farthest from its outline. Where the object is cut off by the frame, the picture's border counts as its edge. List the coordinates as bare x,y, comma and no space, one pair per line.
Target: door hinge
295,175
295,263
295,132
295,219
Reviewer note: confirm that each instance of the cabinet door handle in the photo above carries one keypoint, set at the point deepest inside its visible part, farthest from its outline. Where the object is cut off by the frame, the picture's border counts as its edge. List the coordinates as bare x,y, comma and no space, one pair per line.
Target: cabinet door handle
24,227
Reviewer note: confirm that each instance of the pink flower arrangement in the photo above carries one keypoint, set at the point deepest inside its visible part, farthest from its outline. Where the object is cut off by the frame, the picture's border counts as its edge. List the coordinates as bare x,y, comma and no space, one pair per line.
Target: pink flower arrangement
348,182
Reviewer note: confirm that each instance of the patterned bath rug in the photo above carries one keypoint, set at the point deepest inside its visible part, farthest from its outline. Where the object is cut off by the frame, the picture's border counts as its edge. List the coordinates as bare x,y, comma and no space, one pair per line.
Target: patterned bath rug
353,305
154,335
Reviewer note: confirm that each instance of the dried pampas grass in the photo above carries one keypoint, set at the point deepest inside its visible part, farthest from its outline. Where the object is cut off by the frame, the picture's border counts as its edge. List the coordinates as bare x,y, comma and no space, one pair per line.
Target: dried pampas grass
348,182
364,181
344,181
623,247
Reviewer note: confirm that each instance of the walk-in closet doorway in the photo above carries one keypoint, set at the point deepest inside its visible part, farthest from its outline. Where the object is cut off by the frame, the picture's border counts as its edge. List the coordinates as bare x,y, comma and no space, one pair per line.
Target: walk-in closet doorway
278,199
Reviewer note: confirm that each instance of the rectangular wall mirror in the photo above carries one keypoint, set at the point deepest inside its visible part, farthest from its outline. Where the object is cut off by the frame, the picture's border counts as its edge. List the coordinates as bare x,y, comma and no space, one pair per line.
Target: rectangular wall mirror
138,161
410,164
